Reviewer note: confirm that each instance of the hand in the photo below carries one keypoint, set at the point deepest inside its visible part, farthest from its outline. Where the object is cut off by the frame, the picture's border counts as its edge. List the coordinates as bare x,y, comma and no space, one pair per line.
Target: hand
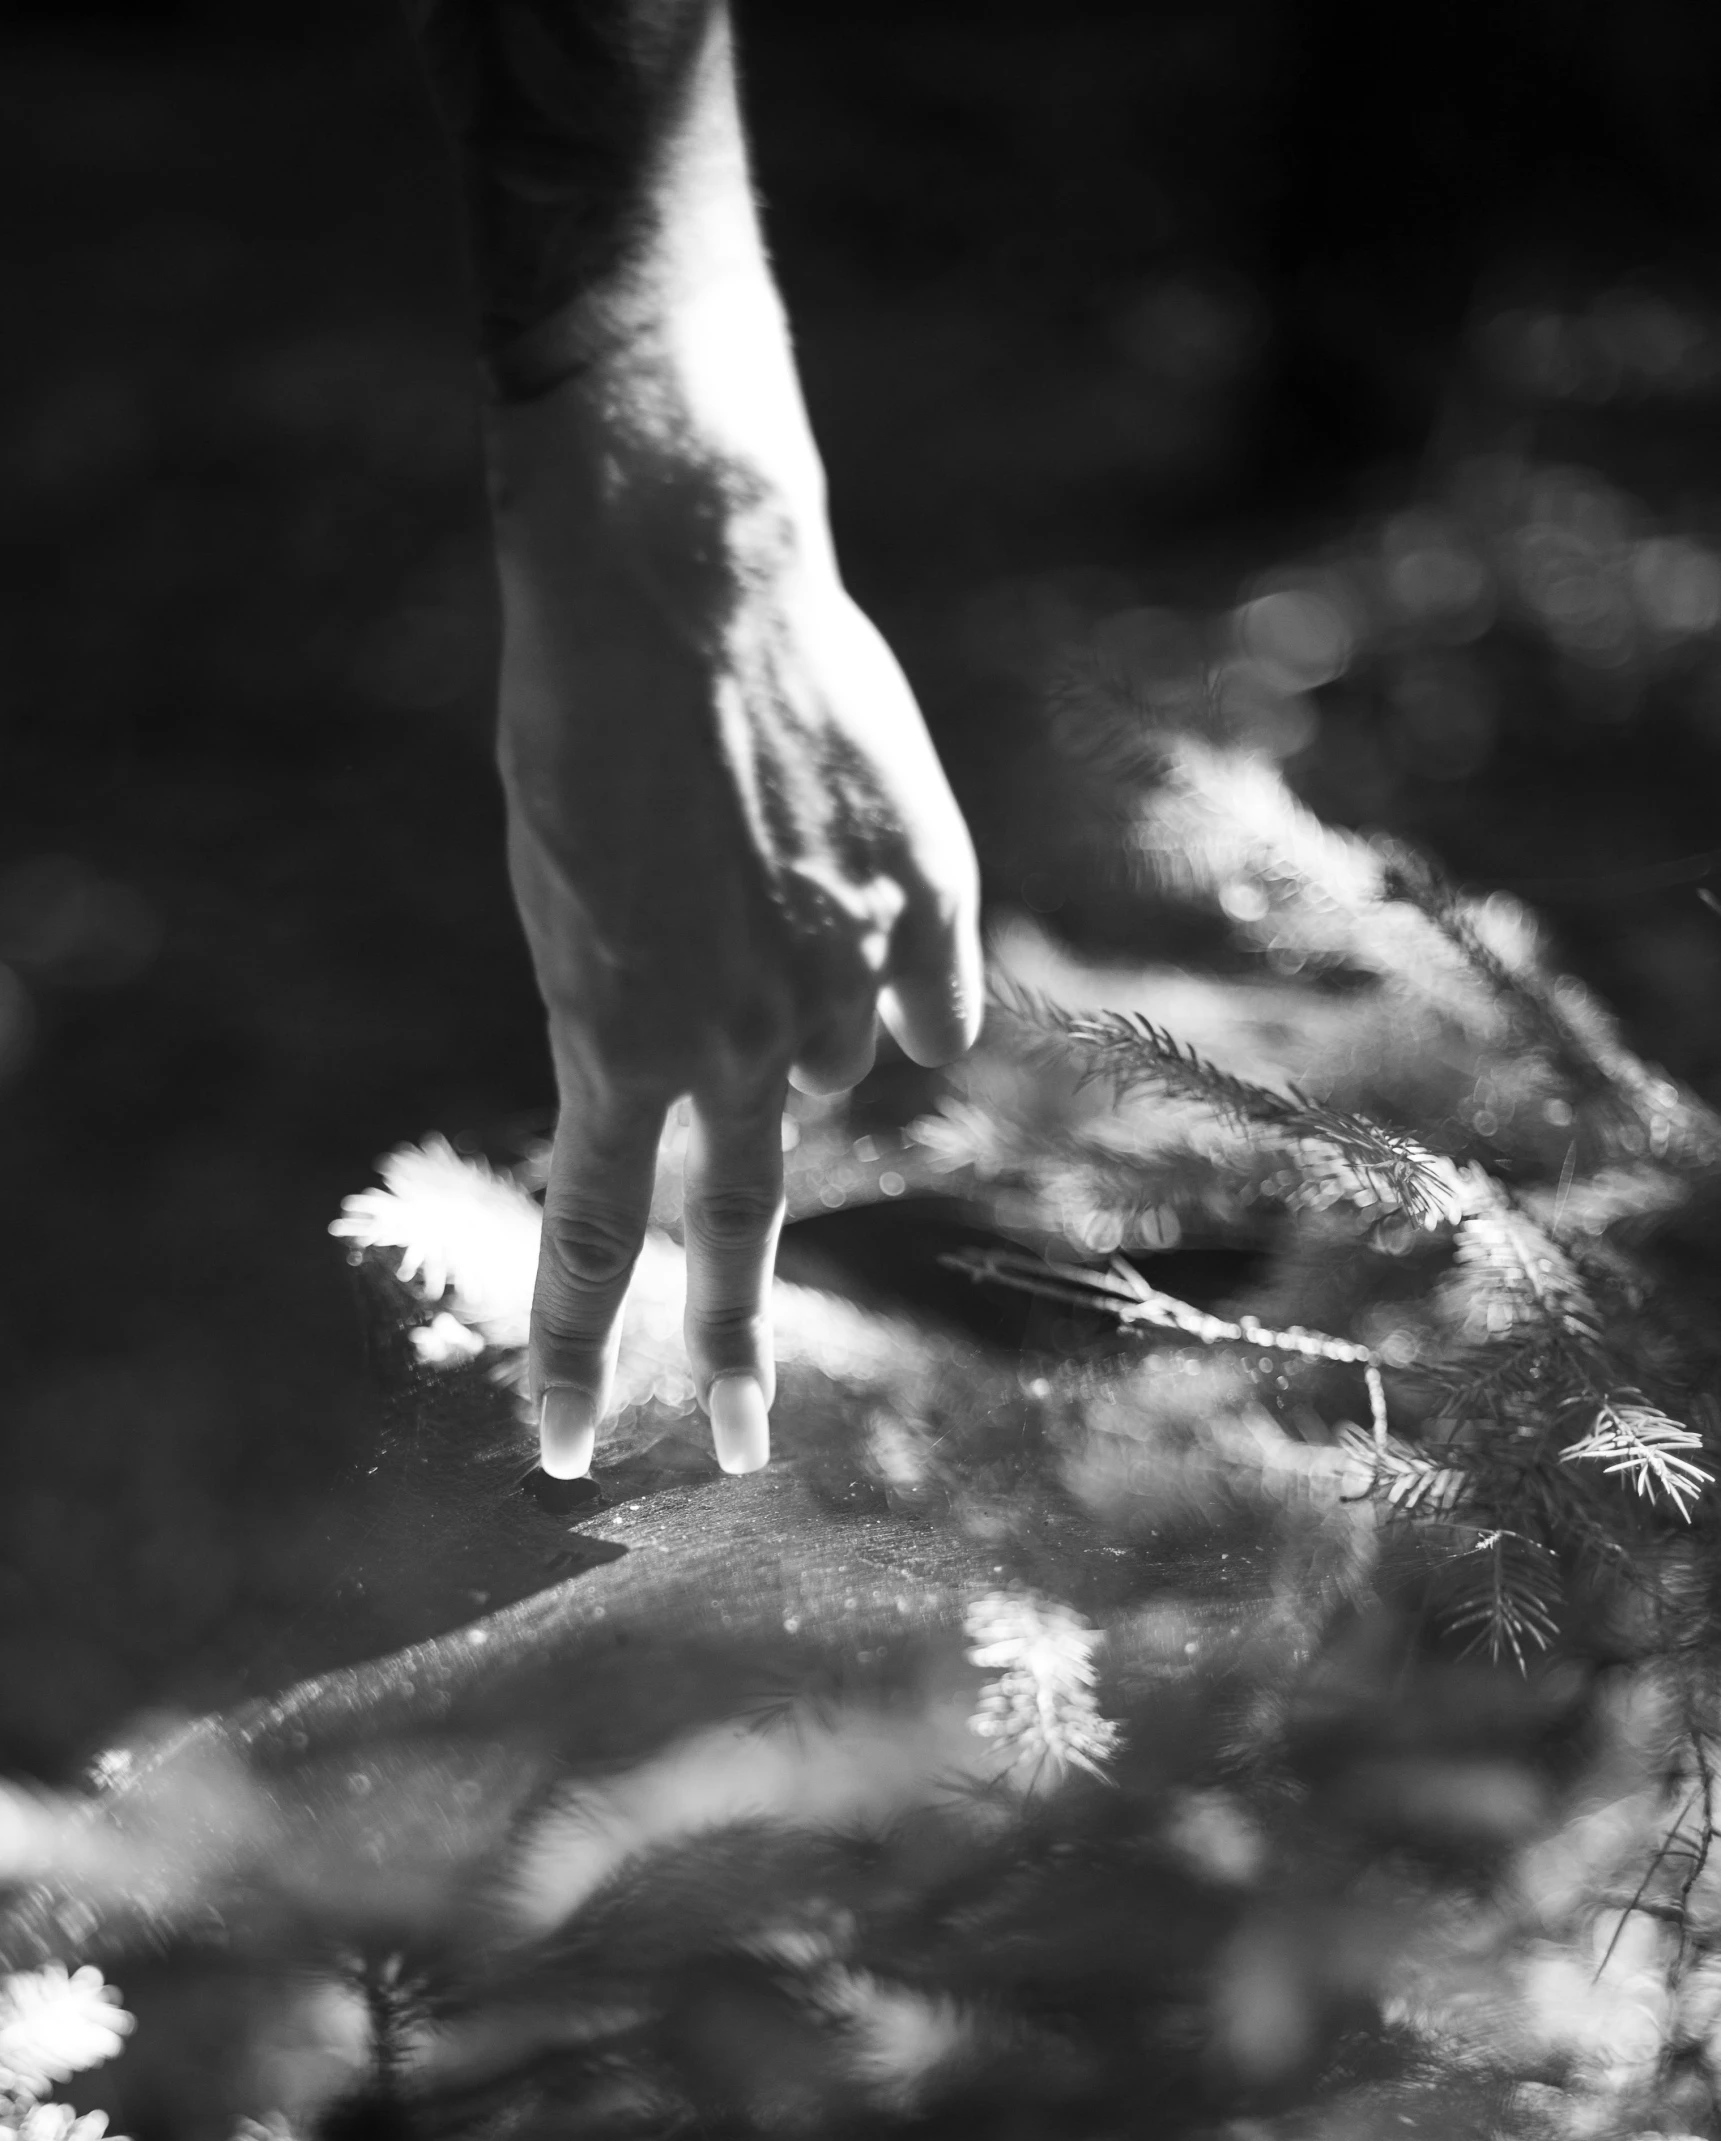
731,844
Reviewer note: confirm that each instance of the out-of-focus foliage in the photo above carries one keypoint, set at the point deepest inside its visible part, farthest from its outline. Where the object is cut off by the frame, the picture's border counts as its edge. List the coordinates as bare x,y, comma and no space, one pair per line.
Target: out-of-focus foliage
54,2023
1343,1879
1284,1694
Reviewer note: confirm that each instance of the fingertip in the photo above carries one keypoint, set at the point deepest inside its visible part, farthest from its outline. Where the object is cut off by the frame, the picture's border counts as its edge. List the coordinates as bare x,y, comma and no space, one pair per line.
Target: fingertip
932,1024
837,1061
973,1011
740,1423
567,1433
968,984
935,1001
819,1082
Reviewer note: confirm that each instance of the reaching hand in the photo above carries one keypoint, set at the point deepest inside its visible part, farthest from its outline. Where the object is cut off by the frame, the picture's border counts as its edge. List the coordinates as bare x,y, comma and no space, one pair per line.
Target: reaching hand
731,843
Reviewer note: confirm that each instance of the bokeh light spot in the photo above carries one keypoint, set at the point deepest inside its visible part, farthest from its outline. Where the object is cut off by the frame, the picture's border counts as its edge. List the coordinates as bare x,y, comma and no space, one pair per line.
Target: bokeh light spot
1298,635
1677,585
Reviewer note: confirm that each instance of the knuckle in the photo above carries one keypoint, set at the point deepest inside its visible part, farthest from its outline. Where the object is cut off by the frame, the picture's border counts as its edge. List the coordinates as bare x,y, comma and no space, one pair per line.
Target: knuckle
754,1037
589,1251
826,1070
729,1336
734,1215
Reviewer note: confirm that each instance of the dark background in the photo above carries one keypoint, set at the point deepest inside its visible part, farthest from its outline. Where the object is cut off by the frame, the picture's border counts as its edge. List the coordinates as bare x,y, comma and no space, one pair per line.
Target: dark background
1097,307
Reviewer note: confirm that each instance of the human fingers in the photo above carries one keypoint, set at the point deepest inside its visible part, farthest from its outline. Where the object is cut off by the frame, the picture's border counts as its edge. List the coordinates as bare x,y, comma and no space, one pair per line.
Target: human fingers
935,998
733,1210
839,1052
596,1205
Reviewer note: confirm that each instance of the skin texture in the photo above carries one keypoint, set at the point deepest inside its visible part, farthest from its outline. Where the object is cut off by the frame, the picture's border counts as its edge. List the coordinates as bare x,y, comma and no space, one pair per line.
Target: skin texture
730,840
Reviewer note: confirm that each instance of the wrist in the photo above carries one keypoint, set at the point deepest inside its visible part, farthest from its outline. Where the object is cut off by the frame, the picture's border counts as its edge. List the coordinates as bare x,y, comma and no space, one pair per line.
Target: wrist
689,408
703,365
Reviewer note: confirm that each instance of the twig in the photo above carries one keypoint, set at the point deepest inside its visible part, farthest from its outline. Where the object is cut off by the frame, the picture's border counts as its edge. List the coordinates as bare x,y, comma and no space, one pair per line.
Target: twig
1121,1291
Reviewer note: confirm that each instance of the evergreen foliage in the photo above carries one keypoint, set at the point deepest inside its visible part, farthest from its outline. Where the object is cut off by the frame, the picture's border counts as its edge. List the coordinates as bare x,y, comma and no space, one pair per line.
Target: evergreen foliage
1553,1383
1280,1690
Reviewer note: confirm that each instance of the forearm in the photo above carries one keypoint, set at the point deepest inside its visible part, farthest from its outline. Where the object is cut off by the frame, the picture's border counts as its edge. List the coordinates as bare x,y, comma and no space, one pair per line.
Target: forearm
605,174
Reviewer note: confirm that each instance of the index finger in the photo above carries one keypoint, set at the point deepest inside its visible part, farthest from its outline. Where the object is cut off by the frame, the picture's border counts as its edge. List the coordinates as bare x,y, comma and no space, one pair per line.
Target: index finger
596,1206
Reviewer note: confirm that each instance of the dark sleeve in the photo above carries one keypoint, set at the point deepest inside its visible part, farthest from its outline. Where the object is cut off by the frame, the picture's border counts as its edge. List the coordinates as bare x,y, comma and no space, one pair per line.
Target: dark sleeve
558,110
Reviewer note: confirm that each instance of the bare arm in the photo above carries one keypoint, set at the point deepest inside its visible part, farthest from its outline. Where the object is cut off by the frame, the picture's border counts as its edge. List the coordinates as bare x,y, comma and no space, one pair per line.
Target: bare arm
570,118
730,838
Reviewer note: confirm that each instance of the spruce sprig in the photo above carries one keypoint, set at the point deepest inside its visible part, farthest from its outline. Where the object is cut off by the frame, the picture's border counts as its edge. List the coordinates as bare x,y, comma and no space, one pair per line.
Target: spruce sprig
1632,1438
1504,1595
1559,1016
1131,1054
1512,1271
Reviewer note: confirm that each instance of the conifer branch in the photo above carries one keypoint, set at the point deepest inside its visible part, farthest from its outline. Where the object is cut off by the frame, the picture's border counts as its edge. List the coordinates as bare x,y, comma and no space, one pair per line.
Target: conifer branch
1698,1742
1082,1181
1408,1480
1512,1272
1630,1437
1132,1054
1698,1800
1506,1593
1122,1292
1559,1016
1221,817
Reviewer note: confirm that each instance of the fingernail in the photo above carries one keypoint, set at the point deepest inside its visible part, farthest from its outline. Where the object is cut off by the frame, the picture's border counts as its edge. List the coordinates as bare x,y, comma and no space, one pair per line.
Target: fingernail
567,1429
740,1426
